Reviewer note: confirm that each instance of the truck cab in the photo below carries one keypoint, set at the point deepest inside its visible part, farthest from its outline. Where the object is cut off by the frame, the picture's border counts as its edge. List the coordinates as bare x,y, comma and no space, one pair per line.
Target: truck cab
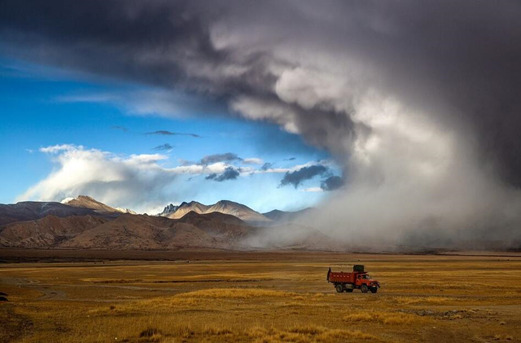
365,279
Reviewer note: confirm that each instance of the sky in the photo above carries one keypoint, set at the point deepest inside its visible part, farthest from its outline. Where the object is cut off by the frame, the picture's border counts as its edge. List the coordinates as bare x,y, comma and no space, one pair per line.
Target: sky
398,120
52,116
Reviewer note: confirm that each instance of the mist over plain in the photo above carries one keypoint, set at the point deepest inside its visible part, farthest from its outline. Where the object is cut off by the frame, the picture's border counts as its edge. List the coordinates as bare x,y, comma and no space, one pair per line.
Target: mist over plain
417,101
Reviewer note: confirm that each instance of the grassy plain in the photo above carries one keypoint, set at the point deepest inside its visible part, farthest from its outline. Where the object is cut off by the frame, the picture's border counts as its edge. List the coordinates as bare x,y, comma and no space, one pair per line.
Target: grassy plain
262,297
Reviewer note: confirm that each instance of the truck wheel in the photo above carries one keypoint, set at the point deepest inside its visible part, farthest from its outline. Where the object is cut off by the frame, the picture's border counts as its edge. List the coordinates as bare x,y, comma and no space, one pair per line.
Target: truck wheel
339,288
364,288
374,289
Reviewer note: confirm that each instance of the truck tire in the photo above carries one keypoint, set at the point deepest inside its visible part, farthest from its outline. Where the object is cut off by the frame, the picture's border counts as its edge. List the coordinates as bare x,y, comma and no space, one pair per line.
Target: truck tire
374,289
339,288
364,288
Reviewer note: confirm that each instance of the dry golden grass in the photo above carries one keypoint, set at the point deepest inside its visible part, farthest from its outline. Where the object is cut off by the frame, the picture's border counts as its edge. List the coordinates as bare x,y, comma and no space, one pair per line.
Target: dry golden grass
237,293
425,300
392,318
263,299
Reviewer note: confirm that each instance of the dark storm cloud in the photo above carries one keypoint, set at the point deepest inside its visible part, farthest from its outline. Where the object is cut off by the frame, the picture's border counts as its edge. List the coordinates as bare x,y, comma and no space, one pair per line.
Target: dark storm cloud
227,157
332,183
161,43
318,70
170,133
295,178
461,52
111,37
163,147
229,173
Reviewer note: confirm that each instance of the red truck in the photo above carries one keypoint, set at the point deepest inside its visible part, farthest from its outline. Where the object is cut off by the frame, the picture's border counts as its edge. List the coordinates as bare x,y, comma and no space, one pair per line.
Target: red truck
358,279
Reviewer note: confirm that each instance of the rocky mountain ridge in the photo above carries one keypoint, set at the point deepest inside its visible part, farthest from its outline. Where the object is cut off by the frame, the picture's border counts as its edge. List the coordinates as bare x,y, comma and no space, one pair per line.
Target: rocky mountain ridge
240,211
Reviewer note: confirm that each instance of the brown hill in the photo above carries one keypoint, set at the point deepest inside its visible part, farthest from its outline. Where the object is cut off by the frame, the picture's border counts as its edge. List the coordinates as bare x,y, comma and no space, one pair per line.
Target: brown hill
84,201
125,232
50,231
218,225
145,232
32,210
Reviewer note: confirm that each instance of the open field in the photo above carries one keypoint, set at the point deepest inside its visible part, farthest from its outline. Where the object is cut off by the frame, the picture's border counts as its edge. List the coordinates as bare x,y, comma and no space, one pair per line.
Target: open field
262,297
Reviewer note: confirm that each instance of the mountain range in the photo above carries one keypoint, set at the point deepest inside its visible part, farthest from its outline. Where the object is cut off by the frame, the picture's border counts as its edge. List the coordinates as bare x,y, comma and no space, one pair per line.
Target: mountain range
224,206
85,223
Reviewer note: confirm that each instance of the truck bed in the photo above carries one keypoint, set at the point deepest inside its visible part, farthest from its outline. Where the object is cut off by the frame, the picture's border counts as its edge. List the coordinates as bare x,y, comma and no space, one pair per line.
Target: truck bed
341,277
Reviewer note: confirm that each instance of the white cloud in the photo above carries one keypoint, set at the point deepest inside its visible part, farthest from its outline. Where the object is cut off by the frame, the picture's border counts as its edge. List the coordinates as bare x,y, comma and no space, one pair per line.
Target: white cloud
313,189
253,160
217,168
156,102
145,159
59,148
189,169
136,182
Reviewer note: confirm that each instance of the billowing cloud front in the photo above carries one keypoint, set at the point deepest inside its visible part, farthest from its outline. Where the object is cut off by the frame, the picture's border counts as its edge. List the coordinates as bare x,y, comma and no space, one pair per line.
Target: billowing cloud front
418,101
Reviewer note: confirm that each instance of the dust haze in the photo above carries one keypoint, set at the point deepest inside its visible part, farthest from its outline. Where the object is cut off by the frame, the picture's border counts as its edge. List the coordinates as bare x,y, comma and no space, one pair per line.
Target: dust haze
418,102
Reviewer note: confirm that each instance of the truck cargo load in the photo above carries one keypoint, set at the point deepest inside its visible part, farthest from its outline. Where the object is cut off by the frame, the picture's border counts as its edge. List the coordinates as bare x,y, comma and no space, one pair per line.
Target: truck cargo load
358,268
